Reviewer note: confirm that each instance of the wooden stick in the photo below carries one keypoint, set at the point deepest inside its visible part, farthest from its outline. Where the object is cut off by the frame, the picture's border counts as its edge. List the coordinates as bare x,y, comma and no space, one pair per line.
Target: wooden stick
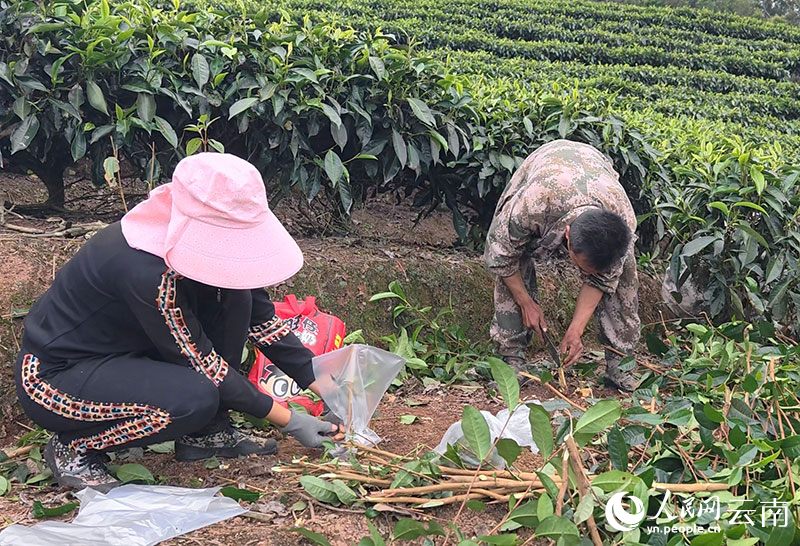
376,451
422,500
553,390
258,516
691,487
446,486
562,381
19,451
583,486
496,482
564,483
498,473
356,478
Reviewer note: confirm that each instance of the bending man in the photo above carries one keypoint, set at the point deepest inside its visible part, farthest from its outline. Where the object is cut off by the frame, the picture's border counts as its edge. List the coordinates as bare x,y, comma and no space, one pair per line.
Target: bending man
565,195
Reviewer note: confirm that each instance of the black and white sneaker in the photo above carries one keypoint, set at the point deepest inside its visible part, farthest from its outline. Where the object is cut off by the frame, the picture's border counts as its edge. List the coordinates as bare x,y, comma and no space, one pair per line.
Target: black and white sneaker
78,470
228,443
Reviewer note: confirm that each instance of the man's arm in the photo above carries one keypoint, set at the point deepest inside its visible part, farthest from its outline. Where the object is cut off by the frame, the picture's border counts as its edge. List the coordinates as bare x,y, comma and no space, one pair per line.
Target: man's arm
588,300
532,315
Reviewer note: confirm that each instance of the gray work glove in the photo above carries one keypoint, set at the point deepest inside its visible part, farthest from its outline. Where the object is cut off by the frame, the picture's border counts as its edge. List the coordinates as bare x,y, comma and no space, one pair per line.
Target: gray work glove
308,430
329,416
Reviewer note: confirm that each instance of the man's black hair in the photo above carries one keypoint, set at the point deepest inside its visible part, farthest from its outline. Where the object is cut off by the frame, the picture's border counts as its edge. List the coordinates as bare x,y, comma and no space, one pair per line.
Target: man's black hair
601,237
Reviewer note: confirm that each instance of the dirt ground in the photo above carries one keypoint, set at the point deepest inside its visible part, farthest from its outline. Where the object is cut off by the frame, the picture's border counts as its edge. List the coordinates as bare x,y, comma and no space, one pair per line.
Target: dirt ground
28,265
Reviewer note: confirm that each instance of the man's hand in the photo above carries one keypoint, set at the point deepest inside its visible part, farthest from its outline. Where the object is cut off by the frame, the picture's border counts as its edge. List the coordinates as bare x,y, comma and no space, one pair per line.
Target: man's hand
572,346
533,318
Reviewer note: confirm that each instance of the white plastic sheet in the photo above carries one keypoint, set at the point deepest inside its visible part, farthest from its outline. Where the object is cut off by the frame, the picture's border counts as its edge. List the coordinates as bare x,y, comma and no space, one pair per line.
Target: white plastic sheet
518,429
352,380
130,515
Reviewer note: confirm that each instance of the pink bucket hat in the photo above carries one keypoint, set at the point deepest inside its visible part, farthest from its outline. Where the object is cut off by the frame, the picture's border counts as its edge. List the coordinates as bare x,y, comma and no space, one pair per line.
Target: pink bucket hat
212,224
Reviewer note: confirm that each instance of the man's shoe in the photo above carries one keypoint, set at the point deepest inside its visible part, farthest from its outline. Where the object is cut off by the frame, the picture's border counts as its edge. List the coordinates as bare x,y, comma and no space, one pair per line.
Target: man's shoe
622,381
517,363
78,470
228,443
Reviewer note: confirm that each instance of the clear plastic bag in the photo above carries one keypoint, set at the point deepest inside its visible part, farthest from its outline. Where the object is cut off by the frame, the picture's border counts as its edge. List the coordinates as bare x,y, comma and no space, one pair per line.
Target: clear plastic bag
352,380
130,515
518,429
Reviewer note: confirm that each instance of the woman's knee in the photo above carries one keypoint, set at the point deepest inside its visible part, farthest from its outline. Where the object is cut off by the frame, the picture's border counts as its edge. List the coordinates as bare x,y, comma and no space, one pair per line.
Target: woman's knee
199,401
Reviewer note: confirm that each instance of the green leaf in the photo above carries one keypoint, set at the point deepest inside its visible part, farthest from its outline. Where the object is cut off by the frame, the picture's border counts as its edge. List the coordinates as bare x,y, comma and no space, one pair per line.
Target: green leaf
476,432
5,485
241,105
216,145
584,509
145,106
758,179
708,539
240,494
383,296
24,134
475,505
713,414
719,205
311,536
211,463
791,446
506,380
376,63
559,529
613,480
541,429
750,205
507,539
509,450
134,472
96,98
193,145
21,107
333,167
307,73
408,529
544,507
345,192
422,111
400,149
110,169
78,147
332,114
696,245
377,539
344,493
319,489
200,69
599,417
549,485
408,419
166,131
524,515
617,449
39,511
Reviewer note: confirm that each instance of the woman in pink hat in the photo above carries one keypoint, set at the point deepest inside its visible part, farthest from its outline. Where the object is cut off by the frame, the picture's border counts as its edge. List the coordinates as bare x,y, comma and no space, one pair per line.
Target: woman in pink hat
140,337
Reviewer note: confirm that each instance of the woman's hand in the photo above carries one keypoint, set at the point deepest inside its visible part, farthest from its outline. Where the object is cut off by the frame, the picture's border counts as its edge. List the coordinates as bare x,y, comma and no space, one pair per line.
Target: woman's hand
310,431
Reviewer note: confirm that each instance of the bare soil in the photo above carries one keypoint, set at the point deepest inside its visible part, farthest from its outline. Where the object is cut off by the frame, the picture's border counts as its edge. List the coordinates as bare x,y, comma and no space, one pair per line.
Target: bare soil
383,243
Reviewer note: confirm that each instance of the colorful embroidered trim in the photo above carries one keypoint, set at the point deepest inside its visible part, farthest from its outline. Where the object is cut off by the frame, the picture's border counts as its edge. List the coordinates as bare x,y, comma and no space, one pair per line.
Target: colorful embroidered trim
268,332
141,420
211,365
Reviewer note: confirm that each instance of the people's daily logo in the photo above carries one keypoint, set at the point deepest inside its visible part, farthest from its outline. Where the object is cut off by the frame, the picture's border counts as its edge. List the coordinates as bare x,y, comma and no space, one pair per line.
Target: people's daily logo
619,517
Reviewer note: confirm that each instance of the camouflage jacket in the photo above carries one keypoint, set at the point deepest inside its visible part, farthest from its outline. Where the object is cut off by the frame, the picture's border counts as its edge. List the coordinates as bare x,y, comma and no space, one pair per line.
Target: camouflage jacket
552,187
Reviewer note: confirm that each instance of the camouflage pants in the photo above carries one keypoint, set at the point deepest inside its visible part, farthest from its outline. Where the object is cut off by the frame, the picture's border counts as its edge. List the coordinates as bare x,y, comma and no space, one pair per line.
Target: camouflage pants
617,315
